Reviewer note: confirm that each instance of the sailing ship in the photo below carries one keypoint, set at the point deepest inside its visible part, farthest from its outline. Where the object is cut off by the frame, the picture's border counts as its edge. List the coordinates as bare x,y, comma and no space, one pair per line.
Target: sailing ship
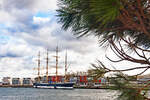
55,85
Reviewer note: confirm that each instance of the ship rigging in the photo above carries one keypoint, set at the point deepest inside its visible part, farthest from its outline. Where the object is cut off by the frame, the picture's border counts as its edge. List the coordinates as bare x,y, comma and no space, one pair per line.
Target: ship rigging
56,84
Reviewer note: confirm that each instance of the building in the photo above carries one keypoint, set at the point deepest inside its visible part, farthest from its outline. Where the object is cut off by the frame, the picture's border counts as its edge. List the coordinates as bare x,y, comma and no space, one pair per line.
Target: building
1,83
27,81
6,81
82,80
51,79
16,81
79,80
100,82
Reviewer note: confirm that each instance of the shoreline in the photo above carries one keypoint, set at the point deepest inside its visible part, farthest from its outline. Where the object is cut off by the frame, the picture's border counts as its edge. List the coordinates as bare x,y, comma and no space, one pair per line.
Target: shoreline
75,87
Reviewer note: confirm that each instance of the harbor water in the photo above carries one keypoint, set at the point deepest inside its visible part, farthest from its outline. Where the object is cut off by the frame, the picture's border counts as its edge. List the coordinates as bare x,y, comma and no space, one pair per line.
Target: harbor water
56,94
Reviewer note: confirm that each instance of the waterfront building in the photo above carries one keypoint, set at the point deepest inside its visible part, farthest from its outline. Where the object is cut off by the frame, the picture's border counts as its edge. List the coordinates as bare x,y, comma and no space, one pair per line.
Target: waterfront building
99,82
83,81
79,80
16,81
27,81
6,81
73,79
51,79
143,79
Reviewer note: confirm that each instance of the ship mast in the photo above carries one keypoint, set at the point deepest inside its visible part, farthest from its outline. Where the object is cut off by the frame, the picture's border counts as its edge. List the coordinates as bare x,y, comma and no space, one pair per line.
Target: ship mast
66,67
56,63
47,66
39,67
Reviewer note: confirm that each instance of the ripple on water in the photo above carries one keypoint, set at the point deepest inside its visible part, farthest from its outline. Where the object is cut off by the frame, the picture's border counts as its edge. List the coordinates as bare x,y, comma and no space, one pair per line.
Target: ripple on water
52,94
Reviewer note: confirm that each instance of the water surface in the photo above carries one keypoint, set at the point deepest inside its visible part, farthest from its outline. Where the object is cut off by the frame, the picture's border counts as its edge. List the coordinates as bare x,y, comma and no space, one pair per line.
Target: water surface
56,94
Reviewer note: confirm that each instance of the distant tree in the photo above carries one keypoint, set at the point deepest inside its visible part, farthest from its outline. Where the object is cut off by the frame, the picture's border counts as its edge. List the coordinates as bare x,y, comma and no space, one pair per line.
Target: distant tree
115,22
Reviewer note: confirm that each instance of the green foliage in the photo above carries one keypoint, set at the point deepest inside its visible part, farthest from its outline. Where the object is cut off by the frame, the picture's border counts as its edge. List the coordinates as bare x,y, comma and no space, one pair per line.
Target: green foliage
121,82
126,89
98,70
100,18
97,73
85,16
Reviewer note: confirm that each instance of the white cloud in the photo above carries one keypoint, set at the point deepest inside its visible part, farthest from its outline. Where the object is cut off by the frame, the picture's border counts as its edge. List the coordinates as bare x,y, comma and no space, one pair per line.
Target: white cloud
5,17
40,20
32,5
30,34
46,5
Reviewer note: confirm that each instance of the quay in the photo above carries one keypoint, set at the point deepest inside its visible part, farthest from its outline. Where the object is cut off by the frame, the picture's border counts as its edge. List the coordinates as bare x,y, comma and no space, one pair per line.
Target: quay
16,86
76,87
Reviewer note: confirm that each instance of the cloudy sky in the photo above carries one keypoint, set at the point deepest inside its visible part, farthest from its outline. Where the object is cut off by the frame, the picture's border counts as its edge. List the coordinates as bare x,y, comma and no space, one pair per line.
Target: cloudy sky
30,26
